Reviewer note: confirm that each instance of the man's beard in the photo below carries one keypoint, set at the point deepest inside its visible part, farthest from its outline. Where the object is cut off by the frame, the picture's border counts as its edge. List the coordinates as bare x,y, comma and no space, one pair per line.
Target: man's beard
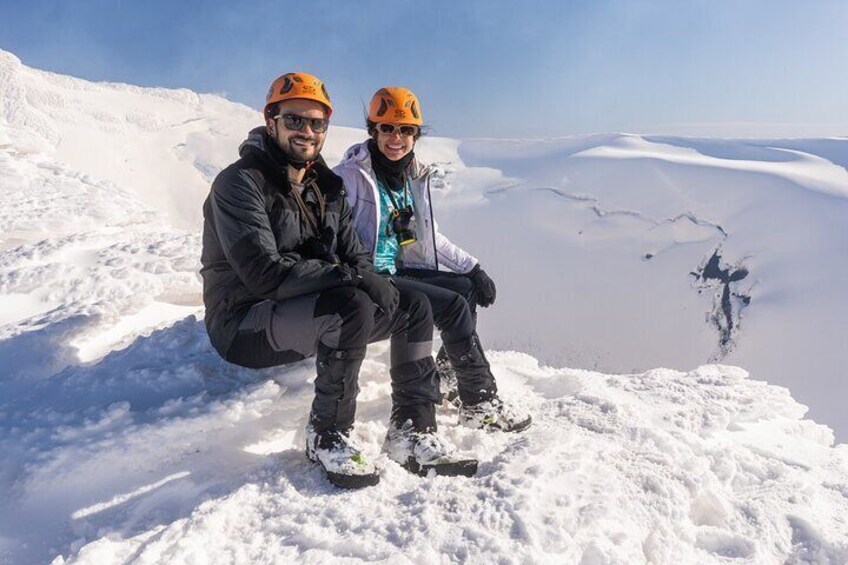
300,154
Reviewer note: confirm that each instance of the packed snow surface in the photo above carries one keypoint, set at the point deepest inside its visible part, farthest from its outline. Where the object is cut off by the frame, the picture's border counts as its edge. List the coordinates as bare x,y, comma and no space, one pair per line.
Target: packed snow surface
126,439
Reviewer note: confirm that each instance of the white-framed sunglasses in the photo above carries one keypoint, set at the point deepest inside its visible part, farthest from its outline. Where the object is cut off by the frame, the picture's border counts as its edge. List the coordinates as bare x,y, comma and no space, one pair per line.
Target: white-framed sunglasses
404,130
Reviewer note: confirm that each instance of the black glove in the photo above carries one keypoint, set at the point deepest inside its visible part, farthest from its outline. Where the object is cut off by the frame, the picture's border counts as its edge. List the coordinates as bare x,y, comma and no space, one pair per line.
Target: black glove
319,247
484,286
381,289
347,274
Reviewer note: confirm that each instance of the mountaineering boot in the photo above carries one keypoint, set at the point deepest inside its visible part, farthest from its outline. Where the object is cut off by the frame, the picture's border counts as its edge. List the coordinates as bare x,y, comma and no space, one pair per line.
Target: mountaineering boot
341,459
331,419
481,407
421,452
447,379
494,415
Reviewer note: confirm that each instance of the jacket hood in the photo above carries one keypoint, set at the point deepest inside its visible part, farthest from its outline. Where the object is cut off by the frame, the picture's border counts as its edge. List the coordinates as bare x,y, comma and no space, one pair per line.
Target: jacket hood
359,156
256,140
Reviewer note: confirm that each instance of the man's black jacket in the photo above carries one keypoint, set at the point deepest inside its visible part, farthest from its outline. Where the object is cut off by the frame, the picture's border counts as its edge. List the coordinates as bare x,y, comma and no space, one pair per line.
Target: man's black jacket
252,231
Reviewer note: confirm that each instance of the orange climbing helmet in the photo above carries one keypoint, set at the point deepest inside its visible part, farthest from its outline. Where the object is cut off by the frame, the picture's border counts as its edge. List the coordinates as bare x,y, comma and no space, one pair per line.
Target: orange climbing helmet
396,105
298,85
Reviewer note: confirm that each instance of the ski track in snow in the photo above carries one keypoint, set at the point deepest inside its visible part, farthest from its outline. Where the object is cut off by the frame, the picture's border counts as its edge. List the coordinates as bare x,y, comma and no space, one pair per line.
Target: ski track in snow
126,439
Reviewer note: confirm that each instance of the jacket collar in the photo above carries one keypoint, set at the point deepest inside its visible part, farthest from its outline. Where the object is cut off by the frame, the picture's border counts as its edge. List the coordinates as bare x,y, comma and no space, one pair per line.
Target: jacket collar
358,155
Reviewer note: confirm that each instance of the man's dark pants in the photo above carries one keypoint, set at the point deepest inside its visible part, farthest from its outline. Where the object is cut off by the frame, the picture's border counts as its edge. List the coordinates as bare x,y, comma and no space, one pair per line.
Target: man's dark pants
337,324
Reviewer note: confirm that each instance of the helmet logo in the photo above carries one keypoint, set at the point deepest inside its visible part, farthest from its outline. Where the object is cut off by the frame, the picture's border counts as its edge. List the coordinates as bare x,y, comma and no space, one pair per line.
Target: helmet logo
287,85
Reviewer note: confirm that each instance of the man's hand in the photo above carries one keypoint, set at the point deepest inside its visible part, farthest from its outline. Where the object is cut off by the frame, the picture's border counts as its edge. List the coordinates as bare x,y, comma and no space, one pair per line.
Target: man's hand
319,247
484,286
381,289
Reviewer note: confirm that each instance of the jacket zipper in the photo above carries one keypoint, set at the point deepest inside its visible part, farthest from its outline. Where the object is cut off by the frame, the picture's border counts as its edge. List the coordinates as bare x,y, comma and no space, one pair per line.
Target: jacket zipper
375,193
432,225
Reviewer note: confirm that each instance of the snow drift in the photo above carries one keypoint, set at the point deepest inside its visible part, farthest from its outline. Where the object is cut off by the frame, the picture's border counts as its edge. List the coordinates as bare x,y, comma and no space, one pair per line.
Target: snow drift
126,438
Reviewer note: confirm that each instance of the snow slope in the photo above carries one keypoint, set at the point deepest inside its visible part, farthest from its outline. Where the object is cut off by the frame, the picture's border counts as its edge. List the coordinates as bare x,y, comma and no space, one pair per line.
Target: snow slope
126,438
612,234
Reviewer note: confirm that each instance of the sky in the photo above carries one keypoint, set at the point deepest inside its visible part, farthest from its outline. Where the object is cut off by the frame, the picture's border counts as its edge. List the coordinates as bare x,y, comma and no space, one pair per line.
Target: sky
481,68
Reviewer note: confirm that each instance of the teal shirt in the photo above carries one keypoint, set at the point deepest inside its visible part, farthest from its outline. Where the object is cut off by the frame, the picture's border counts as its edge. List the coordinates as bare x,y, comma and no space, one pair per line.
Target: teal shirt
388,247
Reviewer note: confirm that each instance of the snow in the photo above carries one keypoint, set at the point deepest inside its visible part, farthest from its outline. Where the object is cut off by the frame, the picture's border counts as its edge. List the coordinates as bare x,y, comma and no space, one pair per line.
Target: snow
127,439
612,227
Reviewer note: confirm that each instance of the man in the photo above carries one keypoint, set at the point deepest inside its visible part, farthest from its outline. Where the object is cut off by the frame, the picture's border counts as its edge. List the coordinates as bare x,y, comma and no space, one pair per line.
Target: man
285,278
389,193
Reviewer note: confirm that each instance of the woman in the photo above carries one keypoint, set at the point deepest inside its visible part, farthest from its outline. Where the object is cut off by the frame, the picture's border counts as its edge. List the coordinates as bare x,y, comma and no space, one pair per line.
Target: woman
388,189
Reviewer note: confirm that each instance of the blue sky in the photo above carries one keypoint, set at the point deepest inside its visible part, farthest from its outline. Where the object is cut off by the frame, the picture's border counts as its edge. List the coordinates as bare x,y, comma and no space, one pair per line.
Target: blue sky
481,68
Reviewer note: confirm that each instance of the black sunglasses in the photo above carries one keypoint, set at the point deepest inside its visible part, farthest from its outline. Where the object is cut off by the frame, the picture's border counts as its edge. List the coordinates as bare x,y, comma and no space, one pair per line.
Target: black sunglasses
389,129
294,122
